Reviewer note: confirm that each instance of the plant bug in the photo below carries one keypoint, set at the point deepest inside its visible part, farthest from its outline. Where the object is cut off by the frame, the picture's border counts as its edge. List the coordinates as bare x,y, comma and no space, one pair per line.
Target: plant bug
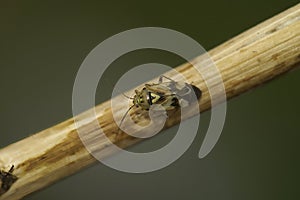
6,180
170,95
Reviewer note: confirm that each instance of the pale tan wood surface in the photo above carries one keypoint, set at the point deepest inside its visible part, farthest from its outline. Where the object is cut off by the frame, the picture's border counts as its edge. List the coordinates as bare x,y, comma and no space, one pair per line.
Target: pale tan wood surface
246,61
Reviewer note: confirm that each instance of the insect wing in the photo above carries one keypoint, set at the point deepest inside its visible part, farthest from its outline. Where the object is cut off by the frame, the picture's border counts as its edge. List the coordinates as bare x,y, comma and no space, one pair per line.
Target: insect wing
161,88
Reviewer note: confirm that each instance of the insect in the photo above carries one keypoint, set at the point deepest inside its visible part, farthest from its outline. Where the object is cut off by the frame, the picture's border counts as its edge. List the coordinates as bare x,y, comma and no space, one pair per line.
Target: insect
170,95
6,180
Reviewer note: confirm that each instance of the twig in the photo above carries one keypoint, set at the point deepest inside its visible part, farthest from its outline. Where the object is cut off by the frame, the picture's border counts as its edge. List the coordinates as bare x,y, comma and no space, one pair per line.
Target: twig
246,61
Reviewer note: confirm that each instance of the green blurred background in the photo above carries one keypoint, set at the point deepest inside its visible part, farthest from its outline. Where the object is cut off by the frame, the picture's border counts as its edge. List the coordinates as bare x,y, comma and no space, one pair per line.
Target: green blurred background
43,44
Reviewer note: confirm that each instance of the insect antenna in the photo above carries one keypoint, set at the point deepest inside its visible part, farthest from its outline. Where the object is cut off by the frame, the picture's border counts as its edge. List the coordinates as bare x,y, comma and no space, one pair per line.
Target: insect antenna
123,118
128,97
117,89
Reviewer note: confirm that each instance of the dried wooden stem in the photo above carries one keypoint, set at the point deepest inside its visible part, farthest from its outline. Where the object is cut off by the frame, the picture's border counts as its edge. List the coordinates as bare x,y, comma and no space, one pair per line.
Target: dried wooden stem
246,61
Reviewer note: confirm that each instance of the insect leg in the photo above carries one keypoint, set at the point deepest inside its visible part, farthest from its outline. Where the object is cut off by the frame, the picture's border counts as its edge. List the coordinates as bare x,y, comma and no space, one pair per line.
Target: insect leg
11,169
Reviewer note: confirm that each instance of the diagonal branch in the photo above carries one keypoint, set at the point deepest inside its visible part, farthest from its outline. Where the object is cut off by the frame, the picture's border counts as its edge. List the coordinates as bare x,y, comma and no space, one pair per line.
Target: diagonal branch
246,61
